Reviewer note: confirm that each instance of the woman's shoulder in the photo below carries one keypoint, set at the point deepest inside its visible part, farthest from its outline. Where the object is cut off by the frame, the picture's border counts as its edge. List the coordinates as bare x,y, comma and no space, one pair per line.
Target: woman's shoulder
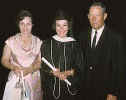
13,37
36,38
47,41
74,44
10,41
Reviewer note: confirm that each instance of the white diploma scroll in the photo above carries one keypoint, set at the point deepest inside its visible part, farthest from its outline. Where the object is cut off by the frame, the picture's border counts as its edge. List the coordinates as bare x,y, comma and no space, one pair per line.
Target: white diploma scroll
54,69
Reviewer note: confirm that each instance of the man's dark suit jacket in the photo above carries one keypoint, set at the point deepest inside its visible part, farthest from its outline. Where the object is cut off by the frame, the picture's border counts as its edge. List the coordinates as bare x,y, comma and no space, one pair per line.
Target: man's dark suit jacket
102,65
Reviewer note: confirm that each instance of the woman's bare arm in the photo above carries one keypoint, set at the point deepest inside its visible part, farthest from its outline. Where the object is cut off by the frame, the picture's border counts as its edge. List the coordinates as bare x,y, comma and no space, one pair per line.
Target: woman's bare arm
5,60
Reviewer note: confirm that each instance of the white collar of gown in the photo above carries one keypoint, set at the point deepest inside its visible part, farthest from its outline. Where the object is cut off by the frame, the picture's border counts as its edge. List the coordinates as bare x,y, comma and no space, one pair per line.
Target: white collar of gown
64,39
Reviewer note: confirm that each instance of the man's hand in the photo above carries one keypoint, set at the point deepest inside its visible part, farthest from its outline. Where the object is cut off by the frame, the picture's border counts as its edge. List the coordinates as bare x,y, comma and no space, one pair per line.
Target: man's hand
111,97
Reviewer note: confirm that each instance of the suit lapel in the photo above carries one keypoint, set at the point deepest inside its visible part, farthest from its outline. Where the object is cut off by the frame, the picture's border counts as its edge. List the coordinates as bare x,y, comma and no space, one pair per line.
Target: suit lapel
102,38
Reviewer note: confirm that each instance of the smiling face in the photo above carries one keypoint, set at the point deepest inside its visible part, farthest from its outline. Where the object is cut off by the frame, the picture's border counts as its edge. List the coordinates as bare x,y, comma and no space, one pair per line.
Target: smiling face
62,28
25,25
96,17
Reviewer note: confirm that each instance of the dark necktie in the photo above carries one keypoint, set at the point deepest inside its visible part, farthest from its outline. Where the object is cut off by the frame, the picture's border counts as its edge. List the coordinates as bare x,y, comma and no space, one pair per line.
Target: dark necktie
94,40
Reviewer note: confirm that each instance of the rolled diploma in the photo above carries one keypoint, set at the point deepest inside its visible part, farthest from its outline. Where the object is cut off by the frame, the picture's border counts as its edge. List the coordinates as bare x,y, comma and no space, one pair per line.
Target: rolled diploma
54,69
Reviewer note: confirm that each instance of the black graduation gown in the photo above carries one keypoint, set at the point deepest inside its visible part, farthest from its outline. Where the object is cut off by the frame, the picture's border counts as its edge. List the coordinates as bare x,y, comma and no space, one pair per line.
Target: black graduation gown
65,56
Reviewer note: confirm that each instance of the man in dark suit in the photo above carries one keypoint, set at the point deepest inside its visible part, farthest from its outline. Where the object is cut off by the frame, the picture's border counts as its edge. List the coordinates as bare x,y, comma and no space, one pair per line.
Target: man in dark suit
103,49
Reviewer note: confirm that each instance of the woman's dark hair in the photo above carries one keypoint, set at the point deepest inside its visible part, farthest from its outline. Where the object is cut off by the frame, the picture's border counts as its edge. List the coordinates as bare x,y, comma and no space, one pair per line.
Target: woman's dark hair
22,14
62,15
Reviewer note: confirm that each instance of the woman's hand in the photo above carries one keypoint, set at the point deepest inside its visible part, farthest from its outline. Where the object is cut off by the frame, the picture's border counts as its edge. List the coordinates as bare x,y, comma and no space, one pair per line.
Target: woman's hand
56,73
27,70
69,72
63,75
17,70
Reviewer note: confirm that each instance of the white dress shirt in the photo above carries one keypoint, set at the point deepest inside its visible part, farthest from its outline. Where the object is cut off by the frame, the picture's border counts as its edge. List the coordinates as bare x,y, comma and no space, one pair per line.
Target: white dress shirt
99,33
